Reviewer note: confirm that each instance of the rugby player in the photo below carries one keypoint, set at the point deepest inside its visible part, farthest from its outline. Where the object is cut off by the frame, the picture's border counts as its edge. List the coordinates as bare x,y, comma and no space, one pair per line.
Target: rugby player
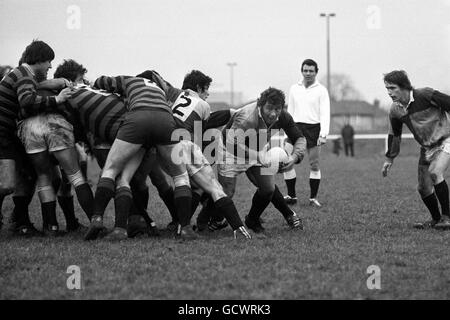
245,135
18,99
148,123
426,113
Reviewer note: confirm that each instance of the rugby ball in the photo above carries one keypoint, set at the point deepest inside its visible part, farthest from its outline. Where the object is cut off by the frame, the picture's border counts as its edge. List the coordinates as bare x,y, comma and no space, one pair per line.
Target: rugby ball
274,157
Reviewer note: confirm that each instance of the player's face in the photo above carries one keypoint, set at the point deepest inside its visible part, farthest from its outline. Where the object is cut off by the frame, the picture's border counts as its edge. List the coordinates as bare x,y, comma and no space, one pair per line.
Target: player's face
42,69
204,94
309,73
394,91
271,112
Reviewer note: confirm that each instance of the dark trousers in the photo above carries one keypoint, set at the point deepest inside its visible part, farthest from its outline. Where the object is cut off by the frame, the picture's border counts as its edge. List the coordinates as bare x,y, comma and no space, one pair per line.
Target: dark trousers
349,148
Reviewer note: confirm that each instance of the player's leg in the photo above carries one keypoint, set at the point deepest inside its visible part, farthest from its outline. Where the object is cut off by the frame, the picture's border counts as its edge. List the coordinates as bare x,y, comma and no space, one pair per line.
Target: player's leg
47,195
280,204
437,169
206,180
314,174
426,191
7,181
123,197
261,198
182,192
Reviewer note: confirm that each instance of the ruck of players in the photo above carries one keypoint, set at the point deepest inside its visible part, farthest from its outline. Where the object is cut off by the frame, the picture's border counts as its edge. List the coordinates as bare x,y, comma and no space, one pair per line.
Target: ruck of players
140,126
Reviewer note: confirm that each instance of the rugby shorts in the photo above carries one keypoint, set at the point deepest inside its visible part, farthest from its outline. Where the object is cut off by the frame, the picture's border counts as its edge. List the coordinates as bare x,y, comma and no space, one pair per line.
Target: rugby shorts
148,127
46,132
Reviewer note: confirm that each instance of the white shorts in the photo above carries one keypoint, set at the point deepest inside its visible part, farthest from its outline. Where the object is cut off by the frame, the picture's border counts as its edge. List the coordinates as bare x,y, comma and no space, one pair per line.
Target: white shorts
46,132
195,160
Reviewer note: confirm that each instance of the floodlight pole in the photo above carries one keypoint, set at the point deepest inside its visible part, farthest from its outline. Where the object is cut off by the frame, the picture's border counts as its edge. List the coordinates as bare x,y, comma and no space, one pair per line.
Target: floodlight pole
231,65
327,16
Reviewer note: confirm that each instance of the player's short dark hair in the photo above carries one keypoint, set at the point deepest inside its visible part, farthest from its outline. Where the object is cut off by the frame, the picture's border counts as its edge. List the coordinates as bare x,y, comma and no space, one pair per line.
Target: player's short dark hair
70,69
398,77
36,52
310,62
196,78
272,96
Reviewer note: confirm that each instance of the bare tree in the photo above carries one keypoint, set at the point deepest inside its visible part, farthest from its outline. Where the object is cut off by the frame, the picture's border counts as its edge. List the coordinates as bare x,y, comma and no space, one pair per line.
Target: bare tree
342,87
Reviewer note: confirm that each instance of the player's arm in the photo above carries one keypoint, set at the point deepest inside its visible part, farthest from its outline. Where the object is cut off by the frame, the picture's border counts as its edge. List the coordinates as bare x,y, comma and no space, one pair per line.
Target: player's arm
393,143
111,84
441,100
54,84
31,103
324,105
294,134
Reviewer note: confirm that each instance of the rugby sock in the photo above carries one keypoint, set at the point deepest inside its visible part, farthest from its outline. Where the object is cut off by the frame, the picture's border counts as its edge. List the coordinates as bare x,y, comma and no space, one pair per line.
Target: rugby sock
259,204
205,214
122,204
182,201
83,167
314,186
49,214
1,205
195,202
433,206
103,194
227,208
20,212
168,198
290,184
66,204
139,204
441,190
280,204
85,199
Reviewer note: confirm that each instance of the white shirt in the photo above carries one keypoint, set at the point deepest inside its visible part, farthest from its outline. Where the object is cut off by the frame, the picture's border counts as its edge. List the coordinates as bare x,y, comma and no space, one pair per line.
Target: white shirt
310,105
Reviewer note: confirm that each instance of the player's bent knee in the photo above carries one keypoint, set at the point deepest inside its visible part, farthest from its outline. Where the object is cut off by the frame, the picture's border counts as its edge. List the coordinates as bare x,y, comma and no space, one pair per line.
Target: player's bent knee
181,180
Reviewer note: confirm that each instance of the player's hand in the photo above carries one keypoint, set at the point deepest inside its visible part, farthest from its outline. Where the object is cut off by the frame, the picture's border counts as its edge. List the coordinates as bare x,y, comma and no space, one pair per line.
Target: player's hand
64,95
386,167
321,141
287,166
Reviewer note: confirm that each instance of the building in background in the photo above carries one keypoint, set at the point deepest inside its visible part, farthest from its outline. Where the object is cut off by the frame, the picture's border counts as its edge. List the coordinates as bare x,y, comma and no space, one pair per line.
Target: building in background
361,115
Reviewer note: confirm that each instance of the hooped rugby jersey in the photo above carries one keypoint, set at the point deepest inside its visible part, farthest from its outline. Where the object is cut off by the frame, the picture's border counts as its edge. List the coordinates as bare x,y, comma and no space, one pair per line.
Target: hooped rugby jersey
19,99
189,108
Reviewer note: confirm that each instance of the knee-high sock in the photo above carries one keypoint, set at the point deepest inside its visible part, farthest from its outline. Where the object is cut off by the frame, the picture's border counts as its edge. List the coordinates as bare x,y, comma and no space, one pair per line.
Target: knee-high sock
314,186
122,204
66,204
1,206
20,212
49,214
85,199
139,204
195,202
103,194
259,204
83,168
290,184
441,190
167,197
183,200
227,208
206,213
280,204
432,204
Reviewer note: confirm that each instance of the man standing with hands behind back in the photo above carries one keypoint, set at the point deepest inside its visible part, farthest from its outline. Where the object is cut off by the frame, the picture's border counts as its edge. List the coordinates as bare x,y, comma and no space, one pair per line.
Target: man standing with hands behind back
309,105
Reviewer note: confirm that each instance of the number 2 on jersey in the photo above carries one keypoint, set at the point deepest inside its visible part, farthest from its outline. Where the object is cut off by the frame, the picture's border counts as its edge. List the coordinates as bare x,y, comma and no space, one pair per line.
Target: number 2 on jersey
176,109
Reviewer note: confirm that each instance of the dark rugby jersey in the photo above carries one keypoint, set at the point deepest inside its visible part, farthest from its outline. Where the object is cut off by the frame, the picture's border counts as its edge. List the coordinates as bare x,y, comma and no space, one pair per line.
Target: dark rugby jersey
139,92
427,117
19,100
100,113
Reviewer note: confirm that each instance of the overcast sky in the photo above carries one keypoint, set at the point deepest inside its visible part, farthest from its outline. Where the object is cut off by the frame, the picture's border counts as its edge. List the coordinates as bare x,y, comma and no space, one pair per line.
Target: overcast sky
267,39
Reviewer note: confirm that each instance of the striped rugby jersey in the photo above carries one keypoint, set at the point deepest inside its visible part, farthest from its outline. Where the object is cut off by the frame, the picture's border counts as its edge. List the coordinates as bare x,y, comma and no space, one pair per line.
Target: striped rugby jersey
19,99
100,112
188,108
139,93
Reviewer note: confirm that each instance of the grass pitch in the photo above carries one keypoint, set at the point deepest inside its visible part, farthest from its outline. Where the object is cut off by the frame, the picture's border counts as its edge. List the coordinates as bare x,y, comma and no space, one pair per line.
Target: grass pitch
365,220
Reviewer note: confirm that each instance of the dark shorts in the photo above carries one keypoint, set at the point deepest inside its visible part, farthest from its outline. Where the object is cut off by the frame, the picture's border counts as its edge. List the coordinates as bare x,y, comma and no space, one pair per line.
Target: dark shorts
11,148
311,133
149,127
